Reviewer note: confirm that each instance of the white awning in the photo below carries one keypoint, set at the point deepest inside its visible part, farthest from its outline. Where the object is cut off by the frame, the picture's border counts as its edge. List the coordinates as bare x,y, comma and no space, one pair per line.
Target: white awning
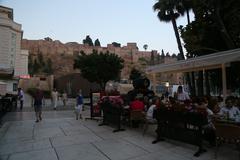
210,61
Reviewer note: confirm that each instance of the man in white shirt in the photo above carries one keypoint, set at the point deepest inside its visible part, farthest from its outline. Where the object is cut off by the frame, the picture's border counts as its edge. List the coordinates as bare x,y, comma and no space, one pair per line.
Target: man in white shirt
149,115
182,96
55,98
229,110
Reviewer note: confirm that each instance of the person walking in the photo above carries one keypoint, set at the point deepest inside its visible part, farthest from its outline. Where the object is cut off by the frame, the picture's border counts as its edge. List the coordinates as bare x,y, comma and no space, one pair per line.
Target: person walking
64,98
54,98
38,98
79,104
21,97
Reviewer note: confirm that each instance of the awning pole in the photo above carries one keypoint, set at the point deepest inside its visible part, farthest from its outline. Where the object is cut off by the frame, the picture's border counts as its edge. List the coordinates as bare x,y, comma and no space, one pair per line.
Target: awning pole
204,82
154,82
224,82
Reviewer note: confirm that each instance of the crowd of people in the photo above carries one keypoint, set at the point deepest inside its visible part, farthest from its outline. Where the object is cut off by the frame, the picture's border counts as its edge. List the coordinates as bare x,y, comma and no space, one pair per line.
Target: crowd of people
213,106
38,101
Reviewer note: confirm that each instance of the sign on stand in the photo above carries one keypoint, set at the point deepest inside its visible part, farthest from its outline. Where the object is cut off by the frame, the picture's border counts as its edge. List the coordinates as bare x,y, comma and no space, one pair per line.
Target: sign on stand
95,108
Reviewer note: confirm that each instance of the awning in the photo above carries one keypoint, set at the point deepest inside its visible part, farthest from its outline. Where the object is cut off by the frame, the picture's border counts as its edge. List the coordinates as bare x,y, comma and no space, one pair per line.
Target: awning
210,61
6,72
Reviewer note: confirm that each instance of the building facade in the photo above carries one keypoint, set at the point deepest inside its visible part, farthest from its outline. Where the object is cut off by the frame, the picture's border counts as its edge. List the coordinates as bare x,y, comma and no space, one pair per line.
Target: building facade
13,61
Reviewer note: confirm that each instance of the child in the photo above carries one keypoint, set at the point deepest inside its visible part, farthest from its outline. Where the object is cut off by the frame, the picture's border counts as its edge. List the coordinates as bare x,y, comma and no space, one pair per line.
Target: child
79,104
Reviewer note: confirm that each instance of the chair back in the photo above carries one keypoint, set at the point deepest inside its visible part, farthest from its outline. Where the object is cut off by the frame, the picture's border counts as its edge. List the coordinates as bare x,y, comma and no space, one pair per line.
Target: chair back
227,131
137,115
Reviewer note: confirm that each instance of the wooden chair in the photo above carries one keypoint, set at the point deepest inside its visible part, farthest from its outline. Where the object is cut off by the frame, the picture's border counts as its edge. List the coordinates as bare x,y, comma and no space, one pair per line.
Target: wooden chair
137,116
227,133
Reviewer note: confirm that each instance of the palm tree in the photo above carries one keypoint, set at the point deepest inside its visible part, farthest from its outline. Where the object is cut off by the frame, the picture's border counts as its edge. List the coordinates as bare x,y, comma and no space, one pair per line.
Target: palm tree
169,11
145,46
187,4
214,9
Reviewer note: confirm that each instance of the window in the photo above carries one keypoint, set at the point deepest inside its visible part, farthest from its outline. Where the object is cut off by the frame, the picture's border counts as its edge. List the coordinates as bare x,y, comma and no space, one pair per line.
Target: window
14,86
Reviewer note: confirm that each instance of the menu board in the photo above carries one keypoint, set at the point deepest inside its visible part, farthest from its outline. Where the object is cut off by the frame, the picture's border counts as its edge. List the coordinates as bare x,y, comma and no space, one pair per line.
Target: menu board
95,108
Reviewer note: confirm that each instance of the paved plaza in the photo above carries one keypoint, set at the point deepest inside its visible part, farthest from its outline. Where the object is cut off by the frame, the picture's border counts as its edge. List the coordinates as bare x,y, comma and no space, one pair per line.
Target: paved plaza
60,137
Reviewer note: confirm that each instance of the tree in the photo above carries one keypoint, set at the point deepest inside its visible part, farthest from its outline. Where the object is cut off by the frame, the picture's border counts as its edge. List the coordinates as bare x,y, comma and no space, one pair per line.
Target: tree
174,55
115,44
158,58
152,61
162,54
36,66
88,41
40,58
217,10
169,11
97,43
145,46
30,64
48,67
167,54
99,67
135,74
187,5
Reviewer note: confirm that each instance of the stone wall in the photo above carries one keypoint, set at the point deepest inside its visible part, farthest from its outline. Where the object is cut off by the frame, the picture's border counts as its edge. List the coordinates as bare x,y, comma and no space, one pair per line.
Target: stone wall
62,54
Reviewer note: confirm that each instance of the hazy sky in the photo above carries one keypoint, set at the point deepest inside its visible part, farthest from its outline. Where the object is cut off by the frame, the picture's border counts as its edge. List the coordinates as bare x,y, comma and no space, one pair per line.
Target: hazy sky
110,21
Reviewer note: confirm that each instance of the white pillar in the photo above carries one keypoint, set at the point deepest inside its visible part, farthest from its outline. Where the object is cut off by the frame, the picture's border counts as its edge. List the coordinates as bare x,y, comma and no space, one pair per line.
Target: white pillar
204,83
154,82
224,82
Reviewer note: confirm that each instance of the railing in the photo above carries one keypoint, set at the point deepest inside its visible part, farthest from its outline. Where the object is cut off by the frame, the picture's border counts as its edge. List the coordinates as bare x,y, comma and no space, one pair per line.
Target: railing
181,125
112,115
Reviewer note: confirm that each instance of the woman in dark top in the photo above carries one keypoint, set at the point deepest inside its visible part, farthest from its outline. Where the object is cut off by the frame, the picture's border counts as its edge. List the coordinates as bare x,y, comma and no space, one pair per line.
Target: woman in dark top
38,97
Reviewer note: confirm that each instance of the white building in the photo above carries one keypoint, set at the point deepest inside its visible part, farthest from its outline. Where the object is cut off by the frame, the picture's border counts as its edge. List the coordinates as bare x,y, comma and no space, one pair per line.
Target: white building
13,61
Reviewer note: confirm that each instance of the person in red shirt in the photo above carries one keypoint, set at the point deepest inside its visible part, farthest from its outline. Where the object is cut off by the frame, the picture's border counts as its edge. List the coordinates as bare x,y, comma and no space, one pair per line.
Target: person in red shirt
137,104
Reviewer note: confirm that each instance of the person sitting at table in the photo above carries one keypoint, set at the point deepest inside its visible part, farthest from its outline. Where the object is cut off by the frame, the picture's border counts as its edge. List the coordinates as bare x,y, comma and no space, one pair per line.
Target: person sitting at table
229,110
149,115
209,129
136,104
182,96
214,106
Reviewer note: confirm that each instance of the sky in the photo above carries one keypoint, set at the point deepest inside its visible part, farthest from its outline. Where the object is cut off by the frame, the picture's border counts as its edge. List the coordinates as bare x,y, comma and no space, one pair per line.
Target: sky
110,21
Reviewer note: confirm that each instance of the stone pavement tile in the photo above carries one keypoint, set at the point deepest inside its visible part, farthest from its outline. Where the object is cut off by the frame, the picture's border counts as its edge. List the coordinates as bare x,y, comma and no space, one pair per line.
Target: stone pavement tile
80,152
227,152
4,157
4,141
75,139
19,116
97,129
48,133
17,133
10,148
47,154
75,130
57,114
109,135
3,129
145,142
119,150
161,155
24,123
130,132
44,124
185,151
